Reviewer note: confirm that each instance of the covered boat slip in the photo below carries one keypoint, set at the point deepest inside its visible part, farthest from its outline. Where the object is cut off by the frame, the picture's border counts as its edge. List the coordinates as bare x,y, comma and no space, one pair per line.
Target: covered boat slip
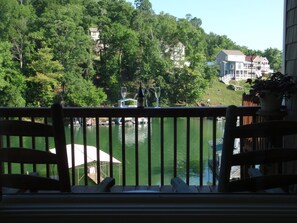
78,153
92,153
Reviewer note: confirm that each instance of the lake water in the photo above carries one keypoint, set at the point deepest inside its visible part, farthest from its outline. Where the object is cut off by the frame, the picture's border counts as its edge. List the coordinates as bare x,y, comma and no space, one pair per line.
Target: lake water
156,154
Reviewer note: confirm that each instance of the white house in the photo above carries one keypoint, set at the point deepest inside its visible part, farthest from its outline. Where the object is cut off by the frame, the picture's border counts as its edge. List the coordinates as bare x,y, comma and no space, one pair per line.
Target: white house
260,64
177,54
94,33
237,66
231,64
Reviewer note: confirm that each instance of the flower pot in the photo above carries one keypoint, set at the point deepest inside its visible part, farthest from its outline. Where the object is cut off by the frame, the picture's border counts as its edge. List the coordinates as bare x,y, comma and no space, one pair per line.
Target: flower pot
270,102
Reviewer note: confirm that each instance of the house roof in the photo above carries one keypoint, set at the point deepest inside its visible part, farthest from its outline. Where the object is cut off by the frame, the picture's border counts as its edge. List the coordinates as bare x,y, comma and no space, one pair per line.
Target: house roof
233,52
255,58
249,58
93,29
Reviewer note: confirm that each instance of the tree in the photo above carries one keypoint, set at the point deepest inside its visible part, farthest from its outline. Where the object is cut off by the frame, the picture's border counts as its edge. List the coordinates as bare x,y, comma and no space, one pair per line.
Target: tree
7,8
51,48
196,22
216,43
18,19
70,43
118,46
46,79
274,57
187,87
12,83
71,46
144,6
82,93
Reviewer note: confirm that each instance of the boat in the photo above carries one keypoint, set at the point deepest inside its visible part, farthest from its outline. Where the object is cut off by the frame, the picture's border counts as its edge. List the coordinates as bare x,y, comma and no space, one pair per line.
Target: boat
130,103
75,123
141,120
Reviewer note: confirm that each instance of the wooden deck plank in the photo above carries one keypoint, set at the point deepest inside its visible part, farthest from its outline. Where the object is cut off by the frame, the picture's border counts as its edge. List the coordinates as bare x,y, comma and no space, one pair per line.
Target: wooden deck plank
206,189
163,189
154,187
124,189
166,189
117,189
129,188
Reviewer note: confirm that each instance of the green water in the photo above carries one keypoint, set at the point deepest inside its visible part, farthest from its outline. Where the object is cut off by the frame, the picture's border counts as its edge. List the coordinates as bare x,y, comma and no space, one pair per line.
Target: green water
130,149
156,154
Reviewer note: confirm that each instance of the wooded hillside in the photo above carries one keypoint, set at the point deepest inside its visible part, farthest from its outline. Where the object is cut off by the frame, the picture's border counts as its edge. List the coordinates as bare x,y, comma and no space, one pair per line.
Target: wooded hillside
48,55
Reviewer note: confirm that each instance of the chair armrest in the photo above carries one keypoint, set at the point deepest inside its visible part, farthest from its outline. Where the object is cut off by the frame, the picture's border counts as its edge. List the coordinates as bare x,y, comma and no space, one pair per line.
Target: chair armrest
180,186
105,185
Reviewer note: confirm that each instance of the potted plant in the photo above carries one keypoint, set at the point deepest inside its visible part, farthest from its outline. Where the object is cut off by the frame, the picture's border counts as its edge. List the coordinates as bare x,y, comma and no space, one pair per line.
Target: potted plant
272,90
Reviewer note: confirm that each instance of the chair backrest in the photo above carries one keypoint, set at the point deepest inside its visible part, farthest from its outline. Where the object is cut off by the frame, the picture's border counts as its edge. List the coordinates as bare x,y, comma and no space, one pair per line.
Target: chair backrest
271,131
12,157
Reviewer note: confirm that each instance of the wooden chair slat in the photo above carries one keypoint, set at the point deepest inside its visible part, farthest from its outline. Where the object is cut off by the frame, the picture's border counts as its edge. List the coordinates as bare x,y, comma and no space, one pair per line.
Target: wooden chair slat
271,131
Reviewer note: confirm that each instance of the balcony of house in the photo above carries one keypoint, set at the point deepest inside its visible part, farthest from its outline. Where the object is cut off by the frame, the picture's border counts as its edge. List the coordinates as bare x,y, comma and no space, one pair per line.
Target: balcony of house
142,149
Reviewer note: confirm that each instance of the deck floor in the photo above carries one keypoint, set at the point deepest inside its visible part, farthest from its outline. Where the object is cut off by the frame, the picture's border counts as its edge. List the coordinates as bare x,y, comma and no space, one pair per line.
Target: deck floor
122,189
143,189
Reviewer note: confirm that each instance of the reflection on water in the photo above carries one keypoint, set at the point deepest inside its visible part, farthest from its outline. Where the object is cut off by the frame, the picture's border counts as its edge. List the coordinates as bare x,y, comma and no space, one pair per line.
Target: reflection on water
136,158
139,158
130,134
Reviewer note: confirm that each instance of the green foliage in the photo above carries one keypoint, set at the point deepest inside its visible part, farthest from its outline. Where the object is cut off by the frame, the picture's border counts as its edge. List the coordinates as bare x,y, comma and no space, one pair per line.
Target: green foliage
215,43
12,83
274,57
47,54
276,83
65,35
81,92
45,80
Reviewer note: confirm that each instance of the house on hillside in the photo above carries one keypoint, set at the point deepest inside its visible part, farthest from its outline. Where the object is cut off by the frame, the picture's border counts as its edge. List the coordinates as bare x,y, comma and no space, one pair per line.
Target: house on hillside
234,65
94,33
231,63
259,64
177,54
95,36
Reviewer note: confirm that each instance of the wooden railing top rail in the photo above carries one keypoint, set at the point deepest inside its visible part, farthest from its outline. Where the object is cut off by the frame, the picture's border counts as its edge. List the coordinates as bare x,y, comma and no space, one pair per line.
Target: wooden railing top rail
128,112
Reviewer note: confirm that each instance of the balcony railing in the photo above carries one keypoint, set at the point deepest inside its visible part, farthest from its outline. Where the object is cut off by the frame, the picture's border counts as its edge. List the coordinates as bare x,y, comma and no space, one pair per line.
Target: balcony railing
146,157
